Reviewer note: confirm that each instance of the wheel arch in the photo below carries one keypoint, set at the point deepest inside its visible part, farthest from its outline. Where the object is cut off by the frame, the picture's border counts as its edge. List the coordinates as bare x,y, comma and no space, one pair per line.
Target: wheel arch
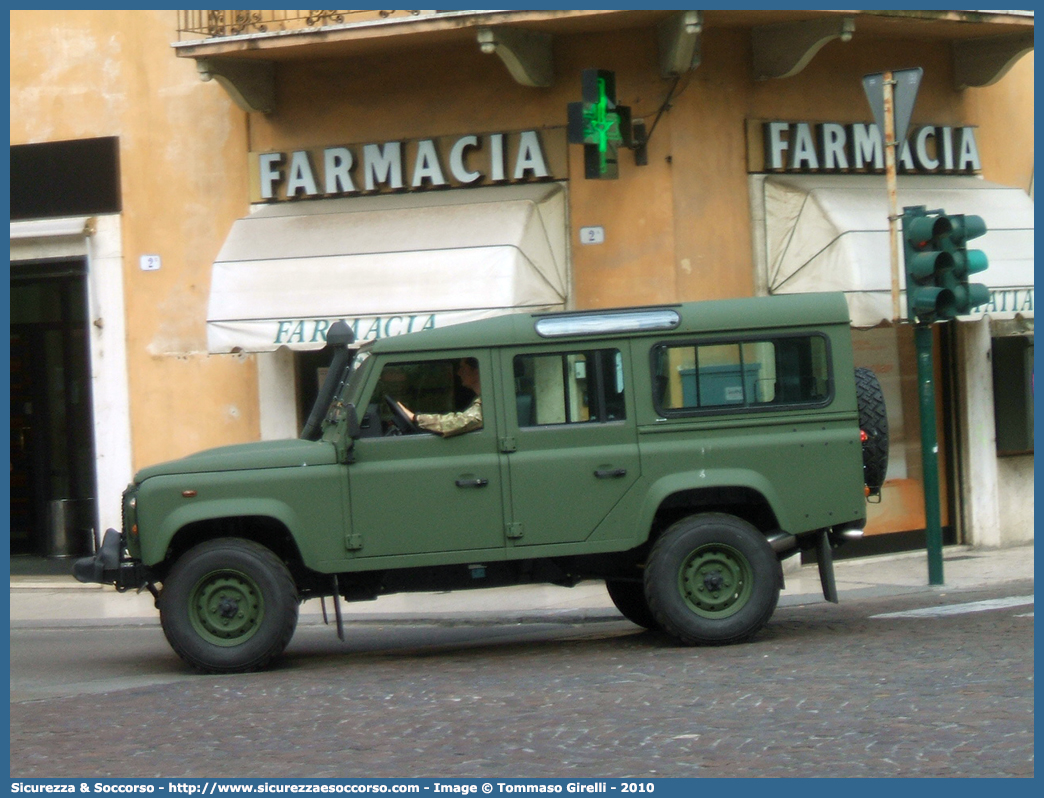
266,530
744,494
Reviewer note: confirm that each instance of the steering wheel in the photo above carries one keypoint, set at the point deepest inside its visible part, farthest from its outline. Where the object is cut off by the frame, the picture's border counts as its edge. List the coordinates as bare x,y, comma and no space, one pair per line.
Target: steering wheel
402,422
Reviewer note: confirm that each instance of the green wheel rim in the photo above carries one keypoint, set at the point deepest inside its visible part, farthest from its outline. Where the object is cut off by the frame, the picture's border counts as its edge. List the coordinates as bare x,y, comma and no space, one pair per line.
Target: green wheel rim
716,581
226,608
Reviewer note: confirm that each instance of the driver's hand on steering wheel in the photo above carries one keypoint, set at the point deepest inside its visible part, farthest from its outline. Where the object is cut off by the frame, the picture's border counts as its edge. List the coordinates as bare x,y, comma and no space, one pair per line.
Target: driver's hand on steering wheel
407,412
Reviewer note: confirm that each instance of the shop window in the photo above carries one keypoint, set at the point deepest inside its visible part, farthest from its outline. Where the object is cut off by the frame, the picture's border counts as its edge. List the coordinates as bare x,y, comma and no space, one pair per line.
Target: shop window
1013,394
742,374
569,388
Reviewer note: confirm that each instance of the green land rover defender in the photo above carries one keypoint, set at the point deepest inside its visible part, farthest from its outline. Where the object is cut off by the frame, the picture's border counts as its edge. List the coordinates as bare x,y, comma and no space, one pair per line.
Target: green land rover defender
677,452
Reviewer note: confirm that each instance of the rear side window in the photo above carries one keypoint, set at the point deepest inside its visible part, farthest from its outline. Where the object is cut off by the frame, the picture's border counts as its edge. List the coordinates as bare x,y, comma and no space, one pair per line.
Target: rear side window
569,387
737,375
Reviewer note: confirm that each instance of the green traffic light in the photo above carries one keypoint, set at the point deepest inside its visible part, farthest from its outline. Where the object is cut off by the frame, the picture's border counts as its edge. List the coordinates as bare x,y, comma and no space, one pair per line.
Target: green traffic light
938,302
924,265
967,262
970,296
978,294
968,227
970,261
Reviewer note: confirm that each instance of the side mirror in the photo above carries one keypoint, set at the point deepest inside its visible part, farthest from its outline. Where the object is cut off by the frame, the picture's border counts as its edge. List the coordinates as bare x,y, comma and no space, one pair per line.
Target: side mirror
352,418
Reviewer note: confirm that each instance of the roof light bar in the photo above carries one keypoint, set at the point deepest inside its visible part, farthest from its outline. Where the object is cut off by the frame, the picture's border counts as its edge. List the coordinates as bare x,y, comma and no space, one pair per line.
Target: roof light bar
610,322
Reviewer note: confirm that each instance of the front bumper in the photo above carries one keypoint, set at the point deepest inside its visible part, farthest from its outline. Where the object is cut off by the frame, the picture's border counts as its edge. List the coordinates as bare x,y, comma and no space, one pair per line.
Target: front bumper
109,566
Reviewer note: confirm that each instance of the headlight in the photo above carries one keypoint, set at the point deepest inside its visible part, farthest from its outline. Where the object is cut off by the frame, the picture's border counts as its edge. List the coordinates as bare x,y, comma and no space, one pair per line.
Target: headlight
130,505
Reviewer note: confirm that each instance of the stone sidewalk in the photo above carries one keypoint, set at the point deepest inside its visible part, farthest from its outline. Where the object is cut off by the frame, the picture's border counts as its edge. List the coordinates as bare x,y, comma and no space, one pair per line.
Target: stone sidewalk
57,601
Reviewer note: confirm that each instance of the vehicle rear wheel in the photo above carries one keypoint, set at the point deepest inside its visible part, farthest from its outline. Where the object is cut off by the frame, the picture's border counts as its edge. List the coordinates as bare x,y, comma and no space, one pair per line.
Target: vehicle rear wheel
712,579
629,598
228,606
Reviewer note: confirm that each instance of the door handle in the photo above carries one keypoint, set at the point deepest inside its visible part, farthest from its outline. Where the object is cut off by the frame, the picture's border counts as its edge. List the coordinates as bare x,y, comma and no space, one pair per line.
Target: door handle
472,483
610,473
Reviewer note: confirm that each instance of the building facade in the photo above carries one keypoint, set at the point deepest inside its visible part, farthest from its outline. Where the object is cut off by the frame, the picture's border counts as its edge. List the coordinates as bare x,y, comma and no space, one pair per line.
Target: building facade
196,196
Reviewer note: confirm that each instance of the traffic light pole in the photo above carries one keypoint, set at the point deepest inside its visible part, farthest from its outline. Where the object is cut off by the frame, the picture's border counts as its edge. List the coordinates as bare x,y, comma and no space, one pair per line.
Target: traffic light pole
929,451
938,264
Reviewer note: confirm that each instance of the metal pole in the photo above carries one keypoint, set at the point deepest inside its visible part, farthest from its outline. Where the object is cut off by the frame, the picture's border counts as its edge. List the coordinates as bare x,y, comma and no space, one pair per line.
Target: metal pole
929,452
890,152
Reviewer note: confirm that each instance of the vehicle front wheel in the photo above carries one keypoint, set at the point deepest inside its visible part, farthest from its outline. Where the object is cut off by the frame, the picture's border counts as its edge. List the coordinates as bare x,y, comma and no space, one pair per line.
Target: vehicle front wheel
228,606
712,579
629,598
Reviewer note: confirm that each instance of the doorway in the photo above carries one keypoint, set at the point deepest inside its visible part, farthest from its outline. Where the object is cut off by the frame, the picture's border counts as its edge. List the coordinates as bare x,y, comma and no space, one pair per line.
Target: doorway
52,430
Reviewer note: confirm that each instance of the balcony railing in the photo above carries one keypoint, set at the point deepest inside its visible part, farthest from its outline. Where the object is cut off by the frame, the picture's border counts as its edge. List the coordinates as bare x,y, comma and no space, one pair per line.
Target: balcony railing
193,25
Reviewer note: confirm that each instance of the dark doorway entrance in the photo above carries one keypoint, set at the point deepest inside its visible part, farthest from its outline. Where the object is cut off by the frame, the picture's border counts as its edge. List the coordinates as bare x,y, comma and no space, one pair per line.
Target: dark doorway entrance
52,430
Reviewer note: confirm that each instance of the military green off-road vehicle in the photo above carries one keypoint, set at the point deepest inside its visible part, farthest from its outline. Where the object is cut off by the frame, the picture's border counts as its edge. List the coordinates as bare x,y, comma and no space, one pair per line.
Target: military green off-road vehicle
677,452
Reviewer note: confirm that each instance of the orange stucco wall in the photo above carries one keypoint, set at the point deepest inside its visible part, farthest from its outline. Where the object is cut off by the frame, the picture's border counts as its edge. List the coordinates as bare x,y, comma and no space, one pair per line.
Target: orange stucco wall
1004,113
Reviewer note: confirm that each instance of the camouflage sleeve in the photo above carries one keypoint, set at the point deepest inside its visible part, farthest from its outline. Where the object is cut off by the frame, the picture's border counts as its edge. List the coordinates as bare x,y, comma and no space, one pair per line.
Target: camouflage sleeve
450,424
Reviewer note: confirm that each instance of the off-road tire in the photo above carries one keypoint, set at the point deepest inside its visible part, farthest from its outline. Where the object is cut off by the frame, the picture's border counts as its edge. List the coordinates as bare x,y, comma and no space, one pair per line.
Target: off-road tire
712,579
629,598
228,606
873,420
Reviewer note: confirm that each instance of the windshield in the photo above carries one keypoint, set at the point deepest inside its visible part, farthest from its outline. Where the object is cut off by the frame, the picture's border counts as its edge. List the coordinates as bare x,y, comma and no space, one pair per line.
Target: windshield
355,375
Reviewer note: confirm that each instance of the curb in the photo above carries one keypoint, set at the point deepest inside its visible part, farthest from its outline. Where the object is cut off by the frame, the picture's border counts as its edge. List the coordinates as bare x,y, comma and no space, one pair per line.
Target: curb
465,618
458,618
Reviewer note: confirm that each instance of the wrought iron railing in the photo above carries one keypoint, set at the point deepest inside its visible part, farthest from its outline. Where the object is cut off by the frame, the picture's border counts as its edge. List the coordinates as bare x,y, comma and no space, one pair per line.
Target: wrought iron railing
215,24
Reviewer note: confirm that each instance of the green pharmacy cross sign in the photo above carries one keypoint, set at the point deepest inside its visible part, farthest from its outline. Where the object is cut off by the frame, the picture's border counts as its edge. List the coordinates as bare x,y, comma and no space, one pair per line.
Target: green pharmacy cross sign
599,124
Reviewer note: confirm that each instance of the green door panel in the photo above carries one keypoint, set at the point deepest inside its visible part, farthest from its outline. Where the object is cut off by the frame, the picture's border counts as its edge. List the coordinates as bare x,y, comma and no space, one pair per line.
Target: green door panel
569,469
419,494
565,481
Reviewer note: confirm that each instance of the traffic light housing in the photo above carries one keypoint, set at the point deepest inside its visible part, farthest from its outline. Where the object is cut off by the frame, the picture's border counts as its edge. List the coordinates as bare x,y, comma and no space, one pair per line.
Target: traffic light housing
939,263
967,262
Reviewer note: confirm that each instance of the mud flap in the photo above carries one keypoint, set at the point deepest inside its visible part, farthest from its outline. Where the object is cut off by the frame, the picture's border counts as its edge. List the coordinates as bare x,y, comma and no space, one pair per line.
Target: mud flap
336,597
825,559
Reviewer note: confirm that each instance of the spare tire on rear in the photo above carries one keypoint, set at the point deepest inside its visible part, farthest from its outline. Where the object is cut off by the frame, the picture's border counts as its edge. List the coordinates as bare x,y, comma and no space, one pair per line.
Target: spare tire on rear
873,422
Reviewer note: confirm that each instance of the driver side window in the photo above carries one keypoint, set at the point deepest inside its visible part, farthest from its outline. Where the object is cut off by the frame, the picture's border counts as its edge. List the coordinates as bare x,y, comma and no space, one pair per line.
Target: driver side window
424,387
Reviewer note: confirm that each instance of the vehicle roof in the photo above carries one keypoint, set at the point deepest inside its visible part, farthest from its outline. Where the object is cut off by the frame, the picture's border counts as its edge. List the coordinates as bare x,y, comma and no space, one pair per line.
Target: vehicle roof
725,315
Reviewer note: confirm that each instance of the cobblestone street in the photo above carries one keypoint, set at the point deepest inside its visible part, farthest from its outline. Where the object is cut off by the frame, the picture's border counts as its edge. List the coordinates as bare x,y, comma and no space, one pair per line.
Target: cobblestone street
823,691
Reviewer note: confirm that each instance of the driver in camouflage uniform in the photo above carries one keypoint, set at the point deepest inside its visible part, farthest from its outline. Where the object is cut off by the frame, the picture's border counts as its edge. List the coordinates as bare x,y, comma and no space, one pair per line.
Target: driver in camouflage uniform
449,424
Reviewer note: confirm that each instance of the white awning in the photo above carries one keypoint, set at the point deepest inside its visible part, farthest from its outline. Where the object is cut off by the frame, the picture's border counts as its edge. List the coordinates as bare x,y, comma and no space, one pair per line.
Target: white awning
830,233
387,265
